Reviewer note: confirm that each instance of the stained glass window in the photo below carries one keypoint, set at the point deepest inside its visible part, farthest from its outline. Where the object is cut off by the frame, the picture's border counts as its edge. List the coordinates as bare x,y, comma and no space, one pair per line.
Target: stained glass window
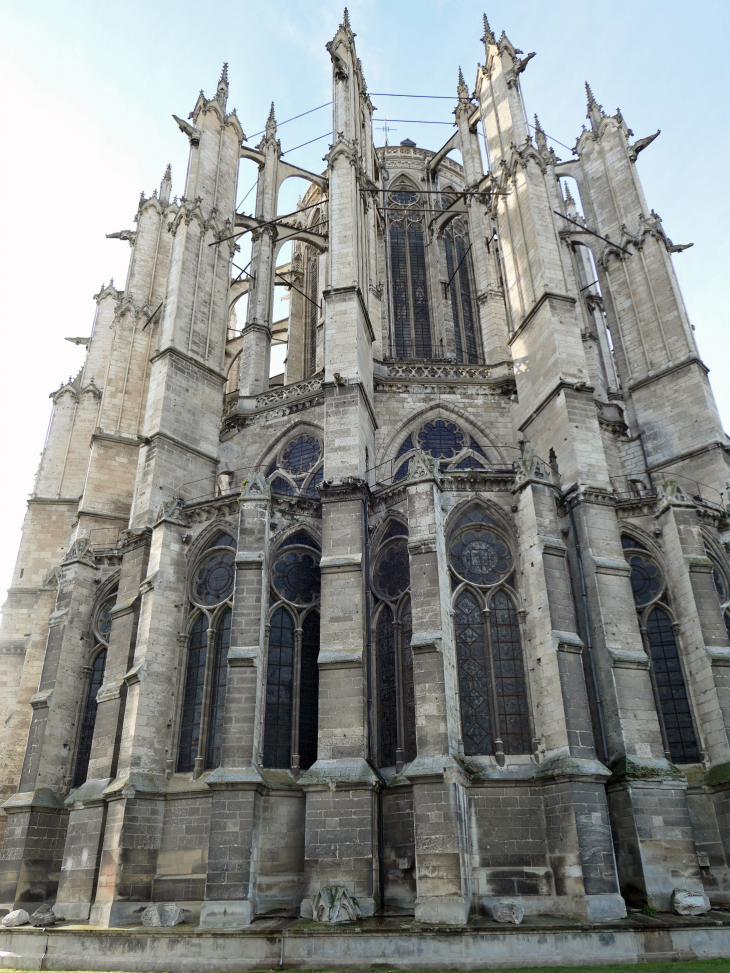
411,316
104,619
474,691
302,454
720,584
280,485
279,686
409,698
309,691
646,579
387,690
214,578
394,529
630,544
671,689
480,556
509,676
218,690
392,571
221,540
311,490
469,463
88,722
296,577
402,472
458,266
313,311
193,695
474,515
300,537
405,447
441,439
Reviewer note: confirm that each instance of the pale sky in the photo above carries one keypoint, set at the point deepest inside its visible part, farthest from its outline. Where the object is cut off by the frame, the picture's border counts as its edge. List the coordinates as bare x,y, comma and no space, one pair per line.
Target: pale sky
90,89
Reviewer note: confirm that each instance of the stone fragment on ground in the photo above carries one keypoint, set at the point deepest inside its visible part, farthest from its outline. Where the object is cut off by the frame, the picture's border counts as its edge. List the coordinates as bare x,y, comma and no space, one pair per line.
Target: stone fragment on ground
44,916
690,902
18,917
162,914
508,910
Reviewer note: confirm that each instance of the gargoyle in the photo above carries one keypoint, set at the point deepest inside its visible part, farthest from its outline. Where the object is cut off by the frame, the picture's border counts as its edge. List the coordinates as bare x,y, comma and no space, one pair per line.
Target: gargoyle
192,133
640,144
128,235
340,66
522,62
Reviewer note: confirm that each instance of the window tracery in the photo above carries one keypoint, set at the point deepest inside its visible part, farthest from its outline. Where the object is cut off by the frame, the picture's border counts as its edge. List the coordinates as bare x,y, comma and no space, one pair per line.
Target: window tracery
298,467
459,269
396,714
292,672
444,441
668,681
409,286
495,715
722,586
206,661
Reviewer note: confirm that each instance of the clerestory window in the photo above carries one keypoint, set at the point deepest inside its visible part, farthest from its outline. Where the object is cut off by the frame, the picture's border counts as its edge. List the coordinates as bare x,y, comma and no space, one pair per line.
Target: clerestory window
459,269
411,320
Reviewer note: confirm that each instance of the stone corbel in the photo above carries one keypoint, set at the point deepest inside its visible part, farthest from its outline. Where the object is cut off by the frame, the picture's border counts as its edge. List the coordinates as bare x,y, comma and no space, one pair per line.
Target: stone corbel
611,566
628,658
331,564
41,700
426,642
243,655
148,583
134,676
127,607
568,642
422,544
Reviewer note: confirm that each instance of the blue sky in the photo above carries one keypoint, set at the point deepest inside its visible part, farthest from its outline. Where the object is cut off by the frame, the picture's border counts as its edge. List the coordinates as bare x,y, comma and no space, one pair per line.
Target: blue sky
90,87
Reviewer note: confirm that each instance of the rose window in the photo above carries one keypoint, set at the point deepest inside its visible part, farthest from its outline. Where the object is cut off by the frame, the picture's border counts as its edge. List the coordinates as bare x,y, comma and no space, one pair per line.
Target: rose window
441,439
478,555
214,578
301,455
296,577
646,579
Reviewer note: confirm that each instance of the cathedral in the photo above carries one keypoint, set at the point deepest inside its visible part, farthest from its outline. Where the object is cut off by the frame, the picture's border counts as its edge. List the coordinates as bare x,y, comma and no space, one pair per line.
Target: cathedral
435,619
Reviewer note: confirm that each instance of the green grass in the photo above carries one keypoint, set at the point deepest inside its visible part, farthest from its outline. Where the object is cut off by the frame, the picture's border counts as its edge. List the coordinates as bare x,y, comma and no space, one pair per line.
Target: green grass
684,966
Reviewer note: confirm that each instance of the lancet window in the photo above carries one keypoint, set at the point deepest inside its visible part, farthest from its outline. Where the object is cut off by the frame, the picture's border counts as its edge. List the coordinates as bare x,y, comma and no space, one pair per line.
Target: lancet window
658,631
493,691
312,311
460,291
206,662
396,709
101,627
298,467
444,441
292,672
722,586
411,319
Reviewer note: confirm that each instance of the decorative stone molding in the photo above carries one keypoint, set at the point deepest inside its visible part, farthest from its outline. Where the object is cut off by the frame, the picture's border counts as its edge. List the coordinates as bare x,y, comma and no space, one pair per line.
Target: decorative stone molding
334,904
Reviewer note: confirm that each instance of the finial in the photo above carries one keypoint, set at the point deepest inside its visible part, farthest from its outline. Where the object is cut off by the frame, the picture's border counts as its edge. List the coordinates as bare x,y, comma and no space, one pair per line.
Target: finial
272,116
488,37
346,20
166,186
271,123
595,111
567,196
538,126
461,88
222,90
591,100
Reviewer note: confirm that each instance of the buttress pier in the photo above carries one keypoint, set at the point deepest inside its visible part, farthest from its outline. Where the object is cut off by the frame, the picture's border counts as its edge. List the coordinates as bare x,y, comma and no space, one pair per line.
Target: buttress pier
439,615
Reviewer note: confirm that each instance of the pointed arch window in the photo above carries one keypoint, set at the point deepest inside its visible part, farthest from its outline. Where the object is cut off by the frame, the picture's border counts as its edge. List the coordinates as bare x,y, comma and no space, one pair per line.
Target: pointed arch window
493,692
658,631
101,626
460,291
444,441
722,586
411,319
298,467
200,735
292,670
312,310
396,710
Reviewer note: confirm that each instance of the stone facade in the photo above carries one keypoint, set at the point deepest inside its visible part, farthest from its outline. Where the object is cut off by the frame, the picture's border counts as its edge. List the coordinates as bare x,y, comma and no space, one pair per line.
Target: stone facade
440,616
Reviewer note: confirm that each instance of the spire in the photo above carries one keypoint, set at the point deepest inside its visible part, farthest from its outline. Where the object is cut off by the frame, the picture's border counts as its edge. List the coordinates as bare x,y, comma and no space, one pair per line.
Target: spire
271,123
567,196
461,88
222,90
346,20
540,137
166,186
595,111
488,37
